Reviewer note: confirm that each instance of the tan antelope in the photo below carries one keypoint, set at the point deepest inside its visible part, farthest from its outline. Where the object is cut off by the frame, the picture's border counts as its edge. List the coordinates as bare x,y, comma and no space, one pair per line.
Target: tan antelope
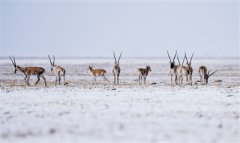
204,75
180,72
58,71
116,69
142,73
28,71
97,72
173,67
189,68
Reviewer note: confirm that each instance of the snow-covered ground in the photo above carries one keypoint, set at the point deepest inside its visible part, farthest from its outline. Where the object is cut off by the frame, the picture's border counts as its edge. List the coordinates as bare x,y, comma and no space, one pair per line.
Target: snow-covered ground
82,112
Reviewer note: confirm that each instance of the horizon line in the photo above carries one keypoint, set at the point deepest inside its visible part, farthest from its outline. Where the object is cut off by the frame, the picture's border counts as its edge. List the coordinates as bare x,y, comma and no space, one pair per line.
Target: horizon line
107,57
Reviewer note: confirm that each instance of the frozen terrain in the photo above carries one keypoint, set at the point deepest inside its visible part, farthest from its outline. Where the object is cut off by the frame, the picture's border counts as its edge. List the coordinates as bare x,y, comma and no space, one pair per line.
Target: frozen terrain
82,112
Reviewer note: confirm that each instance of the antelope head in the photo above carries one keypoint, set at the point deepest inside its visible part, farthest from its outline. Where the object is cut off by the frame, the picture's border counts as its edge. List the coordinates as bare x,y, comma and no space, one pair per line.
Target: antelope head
172,62
148,68
207,75
52,62
90,68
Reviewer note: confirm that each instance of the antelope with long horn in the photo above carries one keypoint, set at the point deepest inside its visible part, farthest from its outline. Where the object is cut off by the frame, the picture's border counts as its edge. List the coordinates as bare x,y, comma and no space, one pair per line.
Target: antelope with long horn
97,72
172,67
116,69
204,75
58,71
181,71
28,71
189,68
143,73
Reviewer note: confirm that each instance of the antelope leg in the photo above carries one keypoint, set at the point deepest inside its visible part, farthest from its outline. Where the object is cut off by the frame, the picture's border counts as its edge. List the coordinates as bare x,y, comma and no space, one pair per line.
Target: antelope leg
27,79
38,78
44,79
59,79
56,80
118,80
145,80
105,78
114,79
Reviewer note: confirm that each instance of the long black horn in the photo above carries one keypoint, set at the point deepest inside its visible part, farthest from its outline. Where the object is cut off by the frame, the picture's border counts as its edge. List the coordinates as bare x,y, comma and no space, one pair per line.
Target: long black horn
212,73
11,59
208,73
183,61
114,57
191,58
178,60
186,57
53,60
12,62
119,57
50,59
169,57
175,55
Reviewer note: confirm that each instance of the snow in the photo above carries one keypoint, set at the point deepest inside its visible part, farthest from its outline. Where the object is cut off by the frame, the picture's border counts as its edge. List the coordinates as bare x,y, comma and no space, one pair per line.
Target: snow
82,112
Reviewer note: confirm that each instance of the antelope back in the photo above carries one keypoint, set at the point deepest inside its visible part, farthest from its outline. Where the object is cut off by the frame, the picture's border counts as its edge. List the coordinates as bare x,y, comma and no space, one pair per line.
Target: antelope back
34,70
58,69
181,70
97,72
100,72
144,71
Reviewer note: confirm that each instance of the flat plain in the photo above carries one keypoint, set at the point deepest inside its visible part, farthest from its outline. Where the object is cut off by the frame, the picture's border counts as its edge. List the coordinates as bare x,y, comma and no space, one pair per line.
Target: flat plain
82,112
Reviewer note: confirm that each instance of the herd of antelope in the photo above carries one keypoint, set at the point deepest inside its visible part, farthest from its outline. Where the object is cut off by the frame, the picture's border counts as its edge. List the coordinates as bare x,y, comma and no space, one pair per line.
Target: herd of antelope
177,71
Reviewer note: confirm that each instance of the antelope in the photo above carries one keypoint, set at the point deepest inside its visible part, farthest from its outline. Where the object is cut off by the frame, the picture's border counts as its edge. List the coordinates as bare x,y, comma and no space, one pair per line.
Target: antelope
189,68
173,67
181,71
142,73
28,71
58,71
204,75
97,72
116,69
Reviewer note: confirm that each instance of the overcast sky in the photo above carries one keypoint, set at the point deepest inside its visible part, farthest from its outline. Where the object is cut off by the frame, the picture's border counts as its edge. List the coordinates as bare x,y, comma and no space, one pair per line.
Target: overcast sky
138,28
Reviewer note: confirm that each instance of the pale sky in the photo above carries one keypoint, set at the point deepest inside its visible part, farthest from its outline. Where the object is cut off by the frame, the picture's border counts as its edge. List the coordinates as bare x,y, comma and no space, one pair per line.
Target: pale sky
146,28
